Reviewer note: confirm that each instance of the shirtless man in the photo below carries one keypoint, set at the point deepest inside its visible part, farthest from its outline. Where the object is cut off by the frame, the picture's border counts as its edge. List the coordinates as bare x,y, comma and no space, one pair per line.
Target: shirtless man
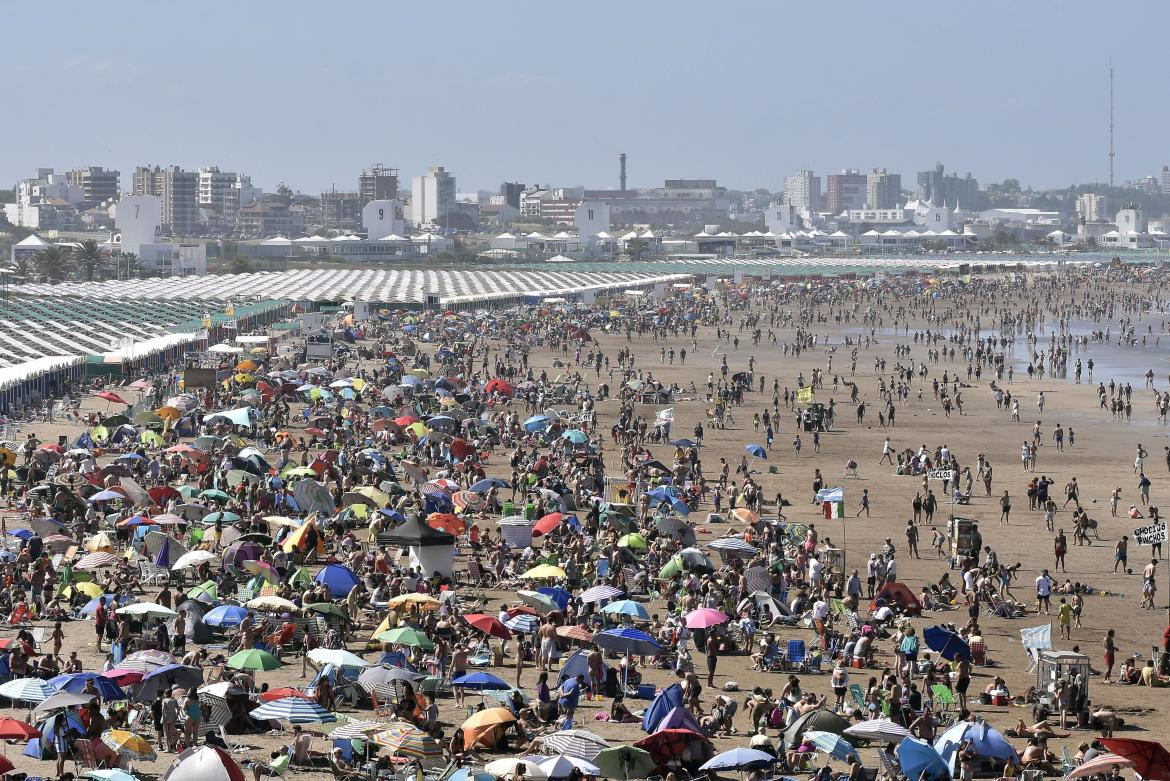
547,636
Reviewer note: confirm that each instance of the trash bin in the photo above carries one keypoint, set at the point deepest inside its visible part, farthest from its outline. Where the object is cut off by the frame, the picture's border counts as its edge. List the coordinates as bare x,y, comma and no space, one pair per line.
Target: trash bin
530,511
508,508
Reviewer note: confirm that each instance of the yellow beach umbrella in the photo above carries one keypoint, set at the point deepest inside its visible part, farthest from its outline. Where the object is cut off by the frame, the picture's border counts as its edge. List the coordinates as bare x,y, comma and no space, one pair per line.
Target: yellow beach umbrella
542,571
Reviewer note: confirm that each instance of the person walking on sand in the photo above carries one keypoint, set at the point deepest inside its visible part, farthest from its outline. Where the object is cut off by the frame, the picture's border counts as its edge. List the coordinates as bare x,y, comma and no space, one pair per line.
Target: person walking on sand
887,452
1005,508
1139,459
1121,553
863,505
1059,549
1043,593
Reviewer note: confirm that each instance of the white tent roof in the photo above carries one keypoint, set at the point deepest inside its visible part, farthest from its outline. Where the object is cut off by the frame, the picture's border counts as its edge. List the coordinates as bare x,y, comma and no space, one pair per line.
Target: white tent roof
276,241
536,235
630,236
649,235
838,235
559,259
506,236
393,237
604,235
32,240
564,235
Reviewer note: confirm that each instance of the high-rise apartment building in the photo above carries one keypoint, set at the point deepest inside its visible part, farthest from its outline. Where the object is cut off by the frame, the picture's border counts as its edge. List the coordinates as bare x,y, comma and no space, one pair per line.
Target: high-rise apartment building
845,190
802,191
179,192
941,189
511,192
432,195
97,184
225,192
378,183
1091,207
883,190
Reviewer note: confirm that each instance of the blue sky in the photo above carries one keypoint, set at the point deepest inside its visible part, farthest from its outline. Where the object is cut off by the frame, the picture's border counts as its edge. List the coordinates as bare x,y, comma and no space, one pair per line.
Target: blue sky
746,92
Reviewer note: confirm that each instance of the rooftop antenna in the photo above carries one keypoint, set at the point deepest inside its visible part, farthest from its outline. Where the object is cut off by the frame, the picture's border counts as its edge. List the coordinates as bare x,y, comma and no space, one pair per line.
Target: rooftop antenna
1110,127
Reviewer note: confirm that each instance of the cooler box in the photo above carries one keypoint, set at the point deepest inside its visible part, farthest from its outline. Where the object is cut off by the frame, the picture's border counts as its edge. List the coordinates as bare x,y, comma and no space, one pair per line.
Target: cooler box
646,691
508,509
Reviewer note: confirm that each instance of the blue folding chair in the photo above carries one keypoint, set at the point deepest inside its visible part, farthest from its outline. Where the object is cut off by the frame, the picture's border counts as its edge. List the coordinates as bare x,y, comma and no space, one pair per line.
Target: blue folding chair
795,654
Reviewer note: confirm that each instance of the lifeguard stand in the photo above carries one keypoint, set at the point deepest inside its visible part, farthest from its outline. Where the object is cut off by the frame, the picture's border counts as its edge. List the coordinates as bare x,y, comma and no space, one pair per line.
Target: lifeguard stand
1053,665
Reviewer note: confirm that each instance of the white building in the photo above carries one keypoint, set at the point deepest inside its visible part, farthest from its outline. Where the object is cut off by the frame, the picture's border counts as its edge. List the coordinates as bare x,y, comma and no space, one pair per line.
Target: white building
1091,208
896,216
225,192
46,202
432,196
803,191
138,219
28,248
1021,217
591,219
782,218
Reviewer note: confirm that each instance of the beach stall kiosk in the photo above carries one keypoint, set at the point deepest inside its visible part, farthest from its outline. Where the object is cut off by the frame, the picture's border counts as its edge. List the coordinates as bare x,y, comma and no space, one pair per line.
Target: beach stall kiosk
1053,666
964,533
430,549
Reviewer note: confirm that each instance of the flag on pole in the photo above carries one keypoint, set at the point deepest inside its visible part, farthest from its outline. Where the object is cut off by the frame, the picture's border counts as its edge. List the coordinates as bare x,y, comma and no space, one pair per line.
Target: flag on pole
804,395
832,502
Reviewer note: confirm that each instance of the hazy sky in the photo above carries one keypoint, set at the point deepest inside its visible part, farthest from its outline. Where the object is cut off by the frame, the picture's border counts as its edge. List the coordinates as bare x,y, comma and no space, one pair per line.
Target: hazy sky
746,92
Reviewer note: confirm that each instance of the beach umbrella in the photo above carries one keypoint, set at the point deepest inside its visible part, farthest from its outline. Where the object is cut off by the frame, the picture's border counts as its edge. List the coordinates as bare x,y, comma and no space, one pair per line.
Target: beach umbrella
414,600
507,767
547,523
263,569
253,659
561,766
204,763
831,743
488,717
123,677
705,618
76,682
745,515
577,743
338,657
147,610
207,592
624,762
628,641
949,644
919,760
14,729
467,774
488,483
129,745
821,719
295,710
734,545
381,677
544,572
489,625
360,729
576,436
985,739
271,603
26,690
60,701
737,759
881,730
446,522
405,635
184,676
523,623
756,451
408,741
148,661
627,607
575,632
91,561
192,559
1150,760
479,681
600,593
111,397
1101,764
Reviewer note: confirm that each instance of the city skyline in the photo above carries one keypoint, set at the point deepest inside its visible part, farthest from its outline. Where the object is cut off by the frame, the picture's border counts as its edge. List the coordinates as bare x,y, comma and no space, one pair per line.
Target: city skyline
310,107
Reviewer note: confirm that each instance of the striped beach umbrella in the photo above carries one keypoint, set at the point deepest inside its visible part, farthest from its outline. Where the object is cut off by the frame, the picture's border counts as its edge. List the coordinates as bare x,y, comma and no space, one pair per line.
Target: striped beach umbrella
294,710
95,560
407,741
26,690
523,623
358,729
831,743
734,545
599,593
575,742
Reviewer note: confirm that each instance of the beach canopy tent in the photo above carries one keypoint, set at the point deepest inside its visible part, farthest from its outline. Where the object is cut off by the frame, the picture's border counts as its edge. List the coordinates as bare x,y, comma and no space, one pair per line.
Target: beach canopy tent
430,549
667,700
577,664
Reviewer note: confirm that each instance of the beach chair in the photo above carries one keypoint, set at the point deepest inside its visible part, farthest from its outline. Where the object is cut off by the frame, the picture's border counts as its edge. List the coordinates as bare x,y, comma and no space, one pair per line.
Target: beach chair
795,654
858,695
888,768
83,755
1066,763
942,695
235,746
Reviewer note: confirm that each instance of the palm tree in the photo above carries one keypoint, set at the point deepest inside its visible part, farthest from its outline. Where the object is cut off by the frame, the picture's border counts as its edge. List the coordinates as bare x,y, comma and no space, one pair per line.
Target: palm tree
53,263
91,258
22,269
